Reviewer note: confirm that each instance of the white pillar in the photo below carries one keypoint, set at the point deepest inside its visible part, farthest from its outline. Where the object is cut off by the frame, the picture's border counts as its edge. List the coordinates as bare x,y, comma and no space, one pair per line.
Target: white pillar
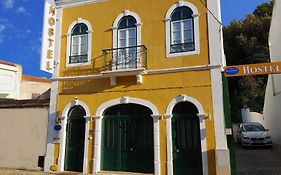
97,144
86,143
156,131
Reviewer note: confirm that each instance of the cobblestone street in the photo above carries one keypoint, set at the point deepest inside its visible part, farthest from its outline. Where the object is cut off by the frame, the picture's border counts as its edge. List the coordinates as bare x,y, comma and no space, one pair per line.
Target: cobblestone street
258,161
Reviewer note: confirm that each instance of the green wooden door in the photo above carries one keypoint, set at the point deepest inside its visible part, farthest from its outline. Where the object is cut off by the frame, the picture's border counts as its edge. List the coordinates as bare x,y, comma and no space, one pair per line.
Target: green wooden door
74,150
127,143
187,159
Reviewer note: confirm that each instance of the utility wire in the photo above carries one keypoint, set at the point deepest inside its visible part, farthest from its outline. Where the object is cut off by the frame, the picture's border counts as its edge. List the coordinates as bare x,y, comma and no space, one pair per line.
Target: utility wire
211,13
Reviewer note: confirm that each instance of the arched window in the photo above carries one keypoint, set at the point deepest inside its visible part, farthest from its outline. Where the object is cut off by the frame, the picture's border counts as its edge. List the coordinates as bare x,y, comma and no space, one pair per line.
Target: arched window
127,32
79,44
182,30
182,33
126,41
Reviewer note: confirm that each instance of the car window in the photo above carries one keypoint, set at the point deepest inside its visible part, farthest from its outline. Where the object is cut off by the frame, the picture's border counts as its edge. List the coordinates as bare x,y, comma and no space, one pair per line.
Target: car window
253,128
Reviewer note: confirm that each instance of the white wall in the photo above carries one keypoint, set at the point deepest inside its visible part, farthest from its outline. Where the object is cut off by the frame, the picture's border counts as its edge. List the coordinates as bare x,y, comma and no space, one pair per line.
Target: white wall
272,104
23,133
248,116
10,76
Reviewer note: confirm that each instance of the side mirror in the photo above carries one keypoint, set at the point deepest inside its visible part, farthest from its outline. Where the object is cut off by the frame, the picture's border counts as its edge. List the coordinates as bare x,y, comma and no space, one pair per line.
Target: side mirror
267,129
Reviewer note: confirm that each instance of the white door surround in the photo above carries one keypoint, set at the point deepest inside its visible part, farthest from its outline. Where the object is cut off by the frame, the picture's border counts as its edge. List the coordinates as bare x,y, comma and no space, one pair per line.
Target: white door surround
63,134
98,129
201,115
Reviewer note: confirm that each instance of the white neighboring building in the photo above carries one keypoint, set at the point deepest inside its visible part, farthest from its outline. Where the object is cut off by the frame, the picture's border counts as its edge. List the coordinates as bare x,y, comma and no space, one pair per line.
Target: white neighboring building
10,78
15,85
272,103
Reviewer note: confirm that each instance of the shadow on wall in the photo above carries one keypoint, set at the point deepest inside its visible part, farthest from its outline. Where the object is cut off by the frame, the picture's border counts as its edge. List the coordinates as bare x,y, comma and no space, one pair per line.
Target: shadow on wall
91,85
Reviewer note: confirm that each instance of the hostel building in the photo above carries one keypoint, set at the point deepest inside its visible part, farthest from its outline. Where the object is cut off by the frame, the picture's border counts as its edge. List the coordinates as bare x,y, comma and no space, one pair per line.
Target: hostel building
136,87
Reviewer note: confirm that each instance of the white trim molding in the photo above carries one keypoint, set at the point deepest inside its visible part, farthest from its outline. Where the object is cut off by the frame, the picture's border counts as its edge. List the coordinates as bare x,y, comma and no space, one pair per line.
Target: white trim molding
98,129
68,41
115,27
196,29
201,115
49,158
63,134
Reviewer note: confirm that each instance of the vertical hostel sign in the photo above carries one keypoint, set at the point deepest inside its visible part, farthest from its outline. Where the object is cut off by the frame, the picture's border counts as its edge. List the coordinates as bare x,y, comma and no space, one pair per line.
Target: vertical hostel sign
48,37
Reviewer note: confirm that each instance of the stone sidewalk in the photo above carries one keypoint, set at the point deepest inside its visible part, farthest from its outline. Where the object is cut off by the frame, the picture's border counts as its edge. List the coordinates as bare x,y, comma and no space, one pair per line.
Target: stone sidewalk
258,161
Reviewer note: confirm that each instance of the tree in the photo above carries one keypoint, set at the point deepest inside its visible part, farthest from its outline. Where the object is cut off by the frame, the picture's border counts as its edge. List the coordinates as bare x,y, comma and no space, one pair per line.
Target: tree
246,42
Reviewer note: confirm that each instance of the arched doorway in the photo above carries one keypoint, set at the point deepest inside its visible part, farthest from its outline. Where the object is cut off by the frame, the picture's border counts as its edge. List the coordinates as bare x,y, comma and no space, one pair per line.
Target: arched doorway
186,147
127,139
75,137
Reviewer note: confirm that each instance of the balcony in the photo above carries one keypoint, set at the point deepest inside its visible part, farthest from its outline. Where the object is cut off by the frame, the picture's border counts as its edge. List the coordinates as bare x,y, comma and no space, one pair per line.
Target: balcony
125,61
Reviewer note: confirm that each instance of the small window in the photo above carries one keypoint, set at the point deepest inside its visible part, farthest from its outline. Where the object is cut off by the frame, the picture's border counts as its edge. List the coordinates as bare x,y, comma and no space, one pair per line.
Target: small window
182,30
79,44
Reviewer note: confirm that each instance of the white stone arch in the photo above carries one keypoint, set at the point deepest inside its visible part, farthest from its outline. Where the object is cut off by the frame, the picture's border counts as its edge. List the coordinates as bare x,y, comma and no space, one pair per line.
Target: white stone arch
68,41
196,29
201,115
115,26
98,129
63,120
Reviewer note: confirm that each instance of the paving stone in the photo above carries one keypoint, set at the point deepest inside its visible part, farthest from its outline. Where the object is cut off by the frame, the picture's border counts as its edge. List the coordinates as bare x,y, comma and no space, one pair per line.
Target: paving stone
258,161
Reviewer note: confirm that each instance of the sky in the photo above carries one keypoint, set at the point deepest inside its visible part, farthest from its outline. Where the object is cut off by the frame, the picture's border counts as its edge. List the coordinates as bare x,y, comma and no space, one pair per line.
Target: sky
21,29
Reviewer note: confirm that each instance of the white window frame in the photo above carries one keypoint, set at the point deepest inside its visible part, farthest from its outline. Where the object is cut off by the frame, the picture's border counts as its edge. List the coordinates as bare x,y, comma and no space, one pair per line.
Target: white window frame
195,30
115,27
69,44
79,43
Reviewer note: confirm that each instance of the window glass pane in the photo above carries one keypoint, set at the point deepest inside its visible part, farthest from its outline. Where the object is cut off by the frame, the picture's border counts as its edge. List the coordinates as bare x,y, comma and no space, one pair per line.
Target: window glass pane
176,26
176,14
74,50
84,39
84,28
80,28
176,37
132,33
187,24
74,45
126,22
84,49
122,43
131,21
122,34
132,42
181,13
188,37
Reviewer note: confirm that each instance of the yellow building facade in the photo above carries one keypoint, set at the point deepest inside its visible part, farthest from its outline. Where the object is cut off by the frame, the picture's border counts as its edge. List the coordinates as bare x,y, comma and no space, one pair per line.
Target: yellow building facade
137,88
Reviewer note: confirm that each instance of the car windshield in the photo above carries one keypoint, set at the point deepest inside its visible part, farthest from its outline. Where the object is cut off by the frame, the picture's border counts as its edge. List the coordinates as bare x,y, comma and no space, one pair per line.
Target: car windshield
254,128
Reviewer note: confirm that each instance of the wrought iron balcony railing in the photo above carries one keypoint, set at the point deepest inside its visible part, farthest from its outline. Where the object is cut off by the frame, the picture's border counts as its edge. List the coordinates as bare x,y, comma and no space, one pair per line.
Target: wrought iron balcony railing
183,47
78,59
125,58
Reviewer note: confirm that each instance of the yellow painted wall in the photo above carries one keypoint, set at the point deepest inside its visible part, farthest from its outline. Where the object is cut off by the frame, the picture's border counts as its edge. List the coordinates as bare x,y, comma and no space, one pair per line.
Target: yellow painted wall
159,89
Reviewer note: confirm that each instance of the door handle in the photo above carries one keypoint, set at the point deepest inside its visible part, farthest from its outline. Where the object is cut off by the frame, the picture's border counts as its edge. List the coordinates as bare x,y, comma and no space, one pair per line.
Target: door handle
131,149
177,150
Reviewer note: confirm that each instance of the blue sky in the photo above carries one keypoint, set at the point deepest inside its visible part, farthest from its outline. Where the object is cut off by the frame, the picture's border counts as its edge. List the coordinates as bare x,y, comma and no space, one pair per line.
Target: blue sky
21,29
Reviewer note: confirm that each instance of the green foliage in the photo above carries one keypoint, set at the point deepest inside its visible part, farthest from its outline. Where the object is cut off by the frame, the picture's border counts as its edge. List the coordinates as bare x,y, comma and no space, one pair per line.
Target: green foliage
246,42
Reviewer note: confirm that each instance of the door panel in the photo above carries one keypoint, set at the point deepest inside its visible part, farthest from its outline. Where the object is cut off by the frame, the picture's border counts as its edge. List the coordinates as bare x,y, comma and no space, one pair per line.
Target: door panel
131,143
187,157
74,151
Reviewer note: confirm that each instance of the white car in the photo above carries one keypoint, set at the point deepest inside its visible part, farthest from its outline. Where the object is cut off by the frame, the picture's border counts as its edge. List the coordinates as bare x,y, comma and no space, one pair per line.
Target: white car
253,134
